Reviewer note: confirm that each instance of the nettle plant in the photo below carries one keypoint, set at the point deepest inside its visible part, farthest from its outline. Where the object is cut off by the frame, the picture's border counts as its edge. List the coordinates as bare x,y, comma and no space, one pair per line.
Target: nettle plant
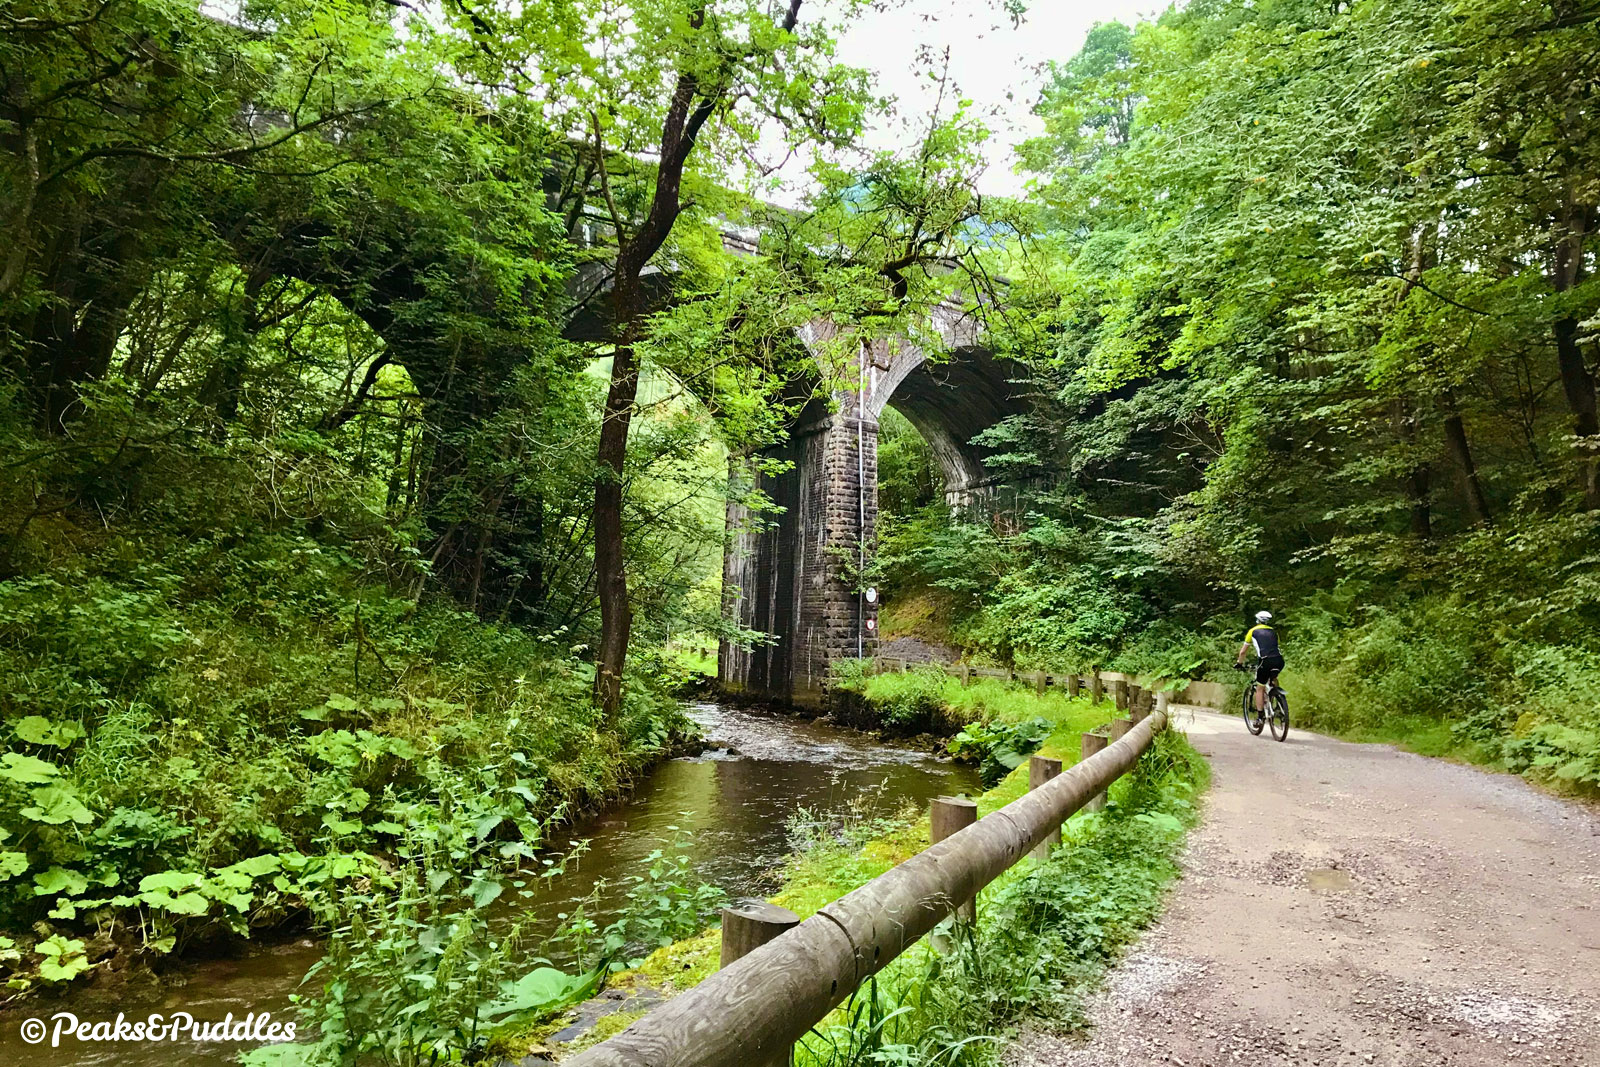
999,747
138,876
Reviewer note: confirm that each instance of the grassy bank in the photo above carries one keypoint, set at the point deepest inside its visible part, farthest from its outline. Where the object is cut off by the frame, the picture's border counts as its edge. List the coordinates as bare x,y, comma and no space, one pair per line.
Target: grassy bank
1046,932
927,700
205,729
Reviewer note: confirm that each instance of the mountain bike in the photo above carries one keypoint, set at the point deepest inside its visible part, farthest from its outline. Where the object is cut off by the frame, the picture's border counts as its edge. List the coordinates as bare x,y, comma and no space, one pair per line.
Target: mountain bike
1276,713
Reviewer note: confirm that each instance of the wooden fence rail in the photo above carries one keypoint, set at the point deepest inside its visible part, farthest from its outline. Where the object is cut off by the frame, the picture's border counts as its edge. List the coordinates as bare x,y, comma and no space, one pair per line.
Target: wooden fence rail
1125,690
755,1008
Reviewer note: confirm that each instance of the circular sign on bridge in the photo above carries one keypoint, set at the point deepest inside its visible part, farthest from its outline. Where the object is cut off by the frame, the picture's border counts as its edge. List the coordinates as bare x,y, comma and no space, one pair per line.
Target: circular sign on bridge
872,624
872,594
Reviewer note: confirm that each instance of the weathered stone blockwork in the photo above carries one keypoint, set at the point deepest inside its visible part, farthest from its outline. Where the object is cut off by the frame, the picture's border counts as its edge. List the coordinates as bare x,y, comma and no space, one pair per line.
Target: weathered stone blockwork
789,579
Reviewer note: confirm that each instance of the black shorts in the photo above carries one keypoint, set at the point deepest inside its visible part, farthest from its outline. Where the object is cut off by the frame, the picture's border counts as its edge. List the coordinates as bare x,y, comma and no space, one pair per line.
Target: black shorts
1267,668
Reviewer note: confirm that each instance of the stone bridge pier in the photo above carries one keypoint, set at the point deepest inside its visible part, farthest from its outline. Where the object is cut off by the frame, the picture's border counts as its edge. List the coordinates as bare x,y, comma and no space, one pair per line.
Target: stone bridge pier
789,575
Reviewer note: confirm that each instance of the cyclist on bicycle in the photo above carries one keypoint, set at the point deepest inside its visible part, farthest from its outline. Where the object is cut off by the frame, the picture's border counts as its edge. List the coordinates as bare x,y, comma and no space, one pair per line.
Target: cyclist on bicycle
1269,658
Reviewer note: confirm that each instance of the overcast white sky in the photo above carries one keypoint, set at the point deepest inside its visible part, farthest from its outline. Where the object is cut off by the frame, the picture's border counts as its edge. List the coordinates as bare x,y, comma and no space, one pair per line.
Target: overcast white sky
998,67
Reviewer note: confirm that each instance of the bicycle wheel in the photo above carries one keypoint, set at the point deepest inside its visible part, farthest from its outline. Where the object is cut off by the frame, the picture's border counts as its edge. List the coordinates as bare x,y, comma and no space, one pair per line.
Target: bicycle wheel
1253,719
1279,716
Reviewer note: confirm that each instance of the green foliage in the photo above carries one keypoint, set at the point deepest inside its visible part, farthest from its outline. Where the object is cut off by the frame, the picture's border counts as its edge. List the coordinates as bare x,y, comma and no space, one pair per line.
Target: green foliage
62,958
999,747
1281,373
914,700
424,964
908,474
1045,935
201,743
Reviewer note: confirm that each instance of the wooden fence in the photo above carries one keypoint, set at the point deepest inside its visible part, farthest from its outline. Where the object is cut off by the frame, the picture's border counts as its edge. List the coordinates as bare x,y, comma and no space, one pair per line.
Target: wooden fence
1126,690
752,1011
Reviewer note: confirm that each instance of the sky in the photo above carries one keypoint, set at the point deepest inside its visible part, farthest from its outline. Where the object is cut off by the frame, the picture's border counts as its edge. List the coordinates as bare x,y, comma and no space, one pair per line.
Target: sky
998,67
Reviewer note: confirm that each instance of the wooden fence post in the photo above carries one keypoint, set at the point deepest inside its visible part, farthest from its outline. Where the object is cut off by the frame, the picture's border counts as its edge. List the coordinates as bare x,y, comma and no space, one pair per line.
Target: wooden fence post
755,1009
945,818
1038,682
1119,694
1120,727
966,674
1135,694
746,926
1092,744
749,924
1040,770
1140,704
1096,688
1072,685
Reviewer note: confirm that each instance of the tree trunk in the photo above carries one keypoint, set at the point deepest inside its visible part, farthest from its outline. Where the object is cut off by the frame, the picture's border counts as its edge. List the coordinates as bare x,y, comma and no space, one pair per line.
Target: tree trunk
73,342
1417,488
611,579
1577,383
224,383
692,104
1455,438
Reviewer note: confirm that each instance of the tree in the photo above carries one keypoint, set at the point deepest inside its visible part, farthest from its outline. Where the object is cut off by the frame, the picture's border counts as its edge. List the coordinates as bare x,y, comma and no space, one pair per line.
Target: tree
649,129
113,116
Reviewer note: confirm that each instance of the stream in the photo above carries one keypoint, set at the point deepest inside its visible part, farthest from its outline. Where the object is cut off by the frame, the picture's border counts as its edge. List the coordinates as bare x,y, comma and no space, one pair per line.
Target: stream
730,807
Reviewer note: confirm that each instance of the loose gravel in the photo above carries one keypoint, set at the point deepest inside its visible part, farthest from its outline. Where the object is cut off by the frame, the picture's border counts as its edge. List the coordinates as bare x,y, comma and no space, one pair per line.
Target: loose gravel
1346,905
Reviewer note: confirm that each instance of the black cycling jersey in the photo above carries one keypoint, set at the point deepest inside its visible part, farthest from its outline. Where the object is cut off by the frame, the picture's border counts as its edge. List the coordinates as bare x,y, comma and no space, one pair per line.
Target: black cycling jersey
1265,640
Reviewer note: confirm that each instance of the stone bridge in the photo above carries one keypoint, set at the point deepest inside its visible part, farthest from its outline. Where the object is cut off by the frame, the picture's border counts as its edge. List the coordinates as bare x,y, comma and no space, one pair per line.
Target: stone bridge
790,578
787,575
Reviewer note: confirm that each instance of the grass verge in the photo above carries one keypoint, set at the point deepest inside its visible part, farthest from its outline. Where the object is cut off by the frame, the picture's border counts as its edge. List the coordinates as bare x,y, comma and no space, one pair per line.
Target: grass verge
1046,932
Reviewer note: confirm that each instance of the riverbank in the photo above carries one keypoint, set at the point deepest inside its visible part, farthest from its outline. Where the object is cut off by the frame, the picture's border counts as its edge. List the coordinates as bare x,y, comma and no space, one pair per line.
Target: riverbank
197,746
698,828
1045,932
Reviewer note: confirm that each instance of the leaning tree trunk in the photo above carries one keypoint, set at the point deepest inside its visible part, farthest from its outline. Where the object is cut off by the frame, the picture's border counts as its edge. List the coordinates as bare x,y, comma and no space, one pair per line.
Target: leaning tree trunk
1455,438
1576,381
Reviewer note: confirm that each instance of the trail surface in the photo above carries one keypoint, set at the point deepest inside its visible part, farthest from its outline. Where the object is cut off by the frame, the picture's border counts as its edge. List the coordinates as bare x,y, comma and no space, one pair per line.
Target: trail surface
1353,904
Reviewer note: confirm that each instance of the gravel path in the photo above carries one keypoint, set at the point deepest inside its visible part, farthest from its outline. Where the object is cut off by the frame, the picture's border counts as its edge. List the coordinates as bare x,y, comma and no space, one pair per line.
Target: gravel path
1352,904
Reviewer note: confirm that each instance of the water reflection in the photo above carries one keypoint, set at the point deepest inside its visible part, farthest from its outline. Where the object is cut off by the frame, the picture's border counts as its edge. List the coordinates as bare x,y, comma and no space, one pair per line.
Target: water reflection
731,809
731,806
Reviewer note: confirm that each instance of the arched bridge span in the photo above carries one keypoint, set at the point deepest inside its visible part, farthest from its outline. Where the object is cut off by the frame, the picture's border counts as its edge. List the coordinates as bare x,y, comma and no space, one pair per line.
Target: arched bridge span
789,578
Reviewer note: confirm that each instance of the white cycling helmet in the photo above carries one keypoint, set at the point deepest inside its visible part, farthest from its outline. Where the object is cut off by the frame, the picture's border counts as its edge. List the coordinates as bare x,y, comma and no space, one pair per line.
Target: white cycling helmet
1263,616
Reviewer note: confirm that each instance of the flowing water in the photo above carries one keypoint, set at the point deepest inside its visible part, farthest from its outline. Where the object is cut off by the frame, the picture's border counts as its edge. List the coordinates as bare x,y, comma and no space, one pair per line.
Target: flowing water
729,805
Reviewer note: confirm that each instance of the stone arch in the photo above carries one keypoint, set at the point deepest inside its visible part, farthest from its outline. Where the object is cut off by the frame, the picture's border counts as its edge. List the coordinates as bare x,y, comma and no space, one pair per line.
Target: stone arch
950,402
788,579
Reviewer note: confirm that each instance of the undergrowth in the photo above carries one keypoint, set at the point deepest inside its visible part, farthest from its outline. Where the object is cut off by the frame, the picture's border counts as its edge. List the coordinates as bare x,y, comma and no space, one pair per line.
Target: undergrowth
1046,932
926,698
206,730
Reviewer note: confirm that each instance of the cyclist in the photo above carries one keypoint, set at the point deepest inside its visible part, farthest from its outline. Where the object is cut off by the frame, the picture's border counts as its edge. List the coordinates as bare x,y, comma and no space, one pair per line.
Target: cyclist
1269,658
